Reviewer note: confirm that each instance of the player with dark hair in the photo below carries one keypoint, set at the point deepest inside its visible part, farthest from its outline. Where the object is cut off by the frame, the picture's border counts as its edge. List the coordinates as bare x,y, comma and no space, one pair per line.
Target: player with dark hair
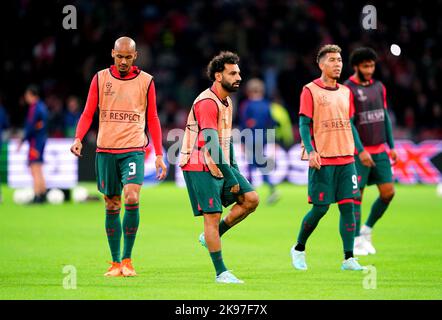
126,101
36,135
374,127
326,130
208,162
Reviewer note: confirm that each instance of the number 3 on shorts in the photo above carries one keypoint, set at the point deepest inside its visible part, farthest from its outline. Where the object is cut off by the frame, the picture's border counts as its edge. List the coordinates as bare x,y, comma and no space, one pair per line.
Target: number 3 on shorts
133,168
354,179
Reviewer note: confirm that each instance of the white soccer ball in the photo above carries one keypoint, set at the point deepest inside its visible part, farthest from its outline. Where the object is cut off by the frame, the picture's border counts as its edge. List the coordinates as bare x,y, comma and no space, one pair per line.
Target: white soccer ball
79,194
439,189
55,196
23,196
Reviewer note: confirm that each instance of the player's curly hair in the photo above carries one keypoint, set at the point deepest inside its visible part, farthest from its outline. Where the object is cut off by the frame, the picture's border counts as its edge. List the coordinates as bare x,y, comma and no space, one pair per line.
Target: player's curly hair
362,54
218,62
328,48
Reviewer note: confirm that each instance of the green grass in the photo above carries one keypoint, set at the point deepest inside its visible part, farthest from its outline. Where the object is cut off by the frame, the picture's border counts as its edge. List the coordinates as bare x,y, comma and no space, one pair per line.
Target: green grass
38,241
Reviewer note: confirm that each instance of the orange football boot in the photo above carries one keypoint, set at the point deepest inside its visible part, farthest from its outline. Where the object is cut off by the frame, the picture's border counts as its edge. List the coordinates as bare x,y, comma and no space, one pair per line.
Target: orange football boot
114,270
127,269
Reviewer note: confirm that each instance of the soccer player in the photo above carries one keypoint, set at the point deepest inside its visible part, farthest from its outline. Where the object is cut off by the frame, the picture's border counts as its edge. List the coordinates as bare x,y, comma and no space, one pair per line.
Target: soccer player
374,127
255,114
326,130
125,98
208,162
36,135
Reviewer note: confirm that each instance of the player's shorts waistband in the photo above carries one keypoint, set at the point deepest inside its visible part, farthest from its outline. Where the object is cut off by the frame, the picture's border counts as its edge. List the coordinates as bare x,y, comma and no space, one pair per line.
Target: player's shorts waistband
195,167
118,151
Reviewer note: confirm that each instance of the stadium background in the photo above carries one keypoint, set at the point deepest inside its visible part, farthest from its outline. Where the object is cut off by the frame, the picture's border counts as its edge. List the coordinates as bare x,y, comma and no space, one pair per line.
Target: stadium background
277,41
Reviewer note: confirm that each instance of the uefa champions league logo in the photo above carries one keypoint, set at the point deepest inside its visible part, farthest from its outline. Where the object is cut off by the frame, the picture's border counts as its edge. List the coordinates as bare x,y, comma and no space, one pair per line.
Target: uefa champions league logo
108,91
323,101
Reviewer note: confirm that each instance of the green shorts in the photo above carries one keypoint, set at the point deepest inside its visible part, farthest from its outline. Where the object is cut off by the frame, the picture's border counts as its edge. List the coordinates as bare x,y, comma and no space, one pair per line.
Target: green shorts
379,174
332,184
208,194
114,171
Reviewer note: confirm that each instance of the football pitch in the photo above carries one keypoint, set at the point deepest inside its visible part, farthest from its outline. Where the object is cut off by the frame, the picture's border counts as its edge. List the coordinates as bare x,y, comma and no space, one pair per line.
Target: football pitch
38,243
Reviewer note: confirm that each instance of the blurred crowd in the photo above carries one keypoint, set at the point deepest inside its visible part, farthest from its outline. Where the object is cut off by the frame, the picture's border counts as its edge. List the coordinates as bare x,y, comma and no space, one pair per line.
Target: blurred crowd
277,41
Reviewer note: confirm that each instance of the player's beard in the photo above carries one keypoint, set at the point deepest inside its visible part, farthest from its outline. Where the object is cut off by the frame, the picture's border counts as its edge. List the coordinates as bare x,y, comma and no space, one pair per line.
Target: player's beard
229,87
362,77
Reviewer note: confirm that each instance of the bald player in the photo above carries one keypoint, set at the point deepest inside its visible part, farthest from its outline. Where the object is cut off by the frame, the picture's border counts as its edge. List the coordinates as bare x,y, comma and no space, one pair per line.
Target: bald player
126,101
